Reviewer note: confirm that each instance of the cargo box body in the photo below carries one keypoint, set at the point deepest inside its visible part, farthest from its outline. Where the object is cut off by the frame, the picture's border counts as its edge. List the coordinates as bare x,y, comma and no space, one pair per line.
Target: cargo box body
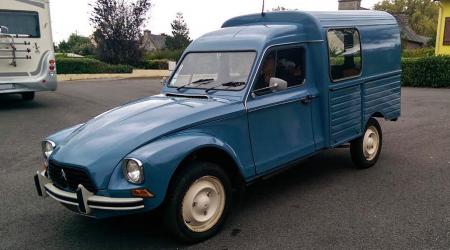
345,96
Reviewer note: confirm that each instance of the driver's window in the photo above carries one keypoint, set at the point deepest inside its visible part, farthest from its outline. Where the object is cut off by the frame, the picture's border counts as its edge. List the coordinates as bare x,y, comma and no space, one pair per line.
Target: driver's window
267,71
287,64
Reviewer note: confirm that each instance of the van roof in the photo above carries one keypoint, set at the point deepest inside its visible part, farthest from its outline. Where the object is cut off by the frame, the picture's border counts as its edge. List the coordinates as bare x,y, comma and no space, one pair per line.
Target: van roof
256,31
317,18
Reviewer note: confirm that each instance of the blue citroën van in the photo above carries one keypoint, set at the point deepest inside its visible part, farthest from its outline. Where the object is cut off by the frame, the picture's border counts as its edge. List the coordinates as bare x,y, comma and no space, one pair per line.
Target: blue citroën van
249,99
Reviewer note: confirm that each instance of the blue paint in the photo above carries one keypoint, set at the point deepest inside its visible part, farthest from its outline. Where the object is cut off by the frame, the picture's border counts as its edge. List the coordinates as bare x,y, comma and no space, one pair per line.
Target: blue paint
260,133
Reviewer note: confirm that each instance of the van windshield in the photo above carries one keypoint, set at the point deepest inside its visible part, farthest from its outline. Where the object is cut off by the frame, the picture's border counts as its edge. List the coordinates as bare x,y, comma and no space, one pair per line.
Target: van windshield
214,70
21,22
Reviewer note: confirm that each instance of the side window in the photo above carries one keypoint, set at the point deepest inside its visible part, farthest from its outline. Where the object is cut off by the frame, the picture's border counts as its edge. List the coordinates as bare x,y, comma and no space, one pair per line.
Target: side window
291,66
267,71
284,63
344,52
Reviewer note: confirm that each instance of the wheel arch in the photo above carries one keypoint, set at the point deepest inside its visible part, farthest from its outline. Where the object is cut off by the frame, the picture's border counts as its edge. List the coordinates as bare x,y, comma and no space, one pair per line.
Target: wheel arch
166,158
377,115
381,114
217,155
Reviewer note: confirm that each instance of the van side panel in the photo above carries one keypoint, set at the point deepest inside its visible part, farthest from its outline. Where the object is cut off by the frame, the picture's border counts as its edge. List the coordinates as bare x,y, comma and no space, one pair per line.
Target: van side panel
345,114
382,96
376,92
382,68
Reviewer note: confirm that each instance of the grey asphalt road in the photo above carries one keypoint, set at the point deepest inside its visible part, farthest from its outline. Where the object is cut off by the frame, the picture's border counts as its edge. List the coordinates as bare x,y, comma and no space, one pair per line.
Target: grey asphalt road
402,202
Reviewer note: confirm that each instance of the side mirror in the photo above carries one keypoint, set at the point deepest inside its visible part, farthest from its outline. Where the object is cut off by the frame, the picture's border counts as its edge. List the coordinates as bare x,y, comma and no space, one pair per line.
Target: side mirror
164,80
172,66
277,84
4,29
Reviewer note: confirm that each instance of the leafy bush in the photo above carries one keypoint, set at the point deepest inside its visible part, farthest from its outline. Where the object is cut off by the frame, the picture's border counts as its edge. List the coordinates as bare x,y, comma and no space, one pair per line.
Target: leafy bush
410,53
77,44
164,54
66,65
154,64
430,71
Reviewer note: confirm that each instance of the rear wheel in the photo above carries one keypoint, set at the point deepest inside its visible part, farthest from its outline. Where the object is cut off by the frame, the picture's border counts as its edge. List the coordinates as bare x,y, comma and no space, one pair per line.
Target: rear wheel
198,202
366,149
28,96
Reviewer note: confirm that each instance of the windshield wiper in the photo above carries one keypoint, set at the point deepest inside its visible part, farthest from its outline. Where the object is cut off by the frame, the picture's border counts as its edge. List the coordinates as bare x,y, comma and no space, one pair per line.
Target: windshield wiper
199,81
227,84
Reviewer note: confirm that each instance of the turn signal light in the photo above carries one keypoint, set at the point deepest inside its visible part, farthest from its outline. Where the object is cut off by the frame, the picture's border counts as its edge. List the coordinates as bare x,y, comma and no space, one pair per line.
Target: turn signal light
144,193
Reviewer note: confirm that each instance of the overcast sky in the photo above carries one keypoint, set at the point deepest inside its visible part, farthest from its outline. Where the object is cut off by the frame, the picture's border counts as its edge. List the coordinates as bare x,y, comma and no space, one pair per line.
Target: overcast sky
70,16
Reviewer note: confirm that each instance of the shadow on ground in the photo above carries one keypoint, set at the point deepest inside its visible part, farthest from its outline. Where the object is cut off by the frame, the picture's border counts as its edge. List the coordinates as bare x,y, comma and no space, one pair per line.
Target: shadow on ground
147,230
15,102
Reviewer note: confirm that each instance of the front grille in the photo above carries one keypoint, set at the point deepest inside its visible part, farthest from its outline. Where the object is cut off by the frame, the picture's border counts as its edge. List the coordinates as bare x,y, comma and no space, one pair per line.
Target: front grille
73,177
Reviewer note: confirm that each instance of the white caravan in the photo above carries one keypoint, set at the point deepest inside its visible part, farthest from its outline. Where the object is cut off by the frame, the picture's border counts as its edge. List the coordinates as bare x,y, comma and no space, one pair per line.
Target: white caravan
27,59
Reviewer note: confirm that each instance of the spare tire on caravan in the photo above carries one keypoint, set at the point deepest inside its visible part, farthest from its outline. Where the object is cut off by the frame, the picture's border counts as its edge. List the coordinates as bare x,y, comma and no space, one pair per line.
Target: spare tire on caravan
27,59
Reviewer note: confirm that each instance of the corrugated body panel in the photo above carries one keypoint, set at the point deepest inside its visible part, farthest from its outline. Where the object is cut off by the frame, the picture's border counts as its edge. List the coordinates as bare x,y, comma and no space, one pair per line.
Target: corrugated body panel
345,114
382,96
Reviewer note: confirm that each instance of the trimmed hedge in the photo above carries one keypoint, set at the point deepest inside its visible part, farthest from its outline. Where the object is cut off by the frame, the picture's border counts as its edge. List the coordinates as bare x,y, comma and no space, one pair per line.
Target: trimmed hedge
429,71
66,65
154,64
410,53
164,54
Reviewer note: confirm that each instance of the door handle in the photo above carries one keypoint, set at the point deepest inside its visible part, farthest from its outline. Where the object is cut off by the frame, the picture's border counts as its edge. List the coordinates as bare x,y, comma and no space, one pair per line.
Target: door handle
307,99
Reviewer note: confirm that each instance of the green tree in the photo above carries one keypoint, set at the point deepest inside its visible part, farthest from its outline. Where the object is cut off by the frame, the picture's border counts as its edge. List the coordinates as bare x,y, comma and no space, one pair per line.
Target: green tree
282,8
422,14
80,45
180,34
118,29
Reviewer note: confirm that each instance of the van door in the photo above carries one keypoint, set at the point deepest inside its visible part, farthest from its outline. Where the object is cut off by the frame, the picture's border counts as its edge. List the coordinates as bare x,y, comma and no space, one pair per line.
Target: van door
280,121
345,61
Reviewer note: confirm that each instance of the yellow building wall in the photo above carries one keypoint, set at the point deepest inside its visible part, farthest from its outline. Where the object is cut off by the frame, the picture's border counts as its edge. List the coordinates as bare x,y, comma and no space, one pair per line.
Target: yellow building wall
444,11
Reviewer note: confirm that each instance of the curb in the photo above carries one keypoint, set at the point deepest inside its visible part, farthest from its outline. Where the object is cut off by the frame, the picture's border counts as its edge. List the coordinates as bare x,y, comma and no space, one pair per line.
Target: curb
135,74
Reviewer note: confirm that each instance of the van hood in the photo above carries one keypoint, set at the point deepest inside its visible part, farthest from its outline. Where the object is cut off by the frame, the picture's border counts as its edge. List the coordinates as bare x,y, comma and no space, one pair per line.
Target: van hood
100,144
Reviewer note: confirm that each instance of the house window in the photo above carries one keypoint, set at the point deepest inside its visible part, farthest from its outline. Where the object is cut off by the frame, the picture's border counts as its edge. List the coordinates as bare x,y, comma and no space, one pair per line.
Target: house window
447,31
344,53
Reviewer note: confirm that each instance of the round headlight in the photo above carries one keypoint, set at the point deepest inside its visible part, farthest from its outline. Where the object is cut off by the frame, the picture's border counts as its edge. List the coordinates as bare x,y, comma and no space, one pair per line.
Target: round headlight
47,150
133,171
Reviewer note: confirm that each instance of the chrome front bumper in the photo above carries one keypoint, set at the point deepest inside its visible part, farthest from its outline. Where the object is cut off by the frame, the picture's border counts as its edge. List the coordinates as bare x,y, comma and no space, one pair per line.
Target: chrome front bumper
83,198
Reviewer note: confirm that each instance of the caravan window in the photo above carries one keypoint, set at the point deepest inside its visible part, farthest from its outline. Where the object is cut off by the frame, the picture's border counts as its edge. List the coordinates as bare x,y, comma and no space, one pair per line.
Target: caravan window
345,53
21,22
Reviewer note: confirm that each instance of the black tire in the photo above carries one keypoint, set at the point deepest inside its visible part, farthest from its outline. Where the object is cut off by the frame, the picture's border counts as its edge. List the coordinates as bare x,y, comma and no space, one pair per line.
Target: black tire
28,96
180,185
357,147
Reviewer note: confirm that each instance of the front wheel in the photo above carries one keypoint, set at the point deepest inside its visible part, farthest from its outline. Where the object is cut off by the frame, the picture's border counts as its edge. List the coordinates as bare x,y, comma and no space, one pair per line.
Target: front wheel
366,149
198,202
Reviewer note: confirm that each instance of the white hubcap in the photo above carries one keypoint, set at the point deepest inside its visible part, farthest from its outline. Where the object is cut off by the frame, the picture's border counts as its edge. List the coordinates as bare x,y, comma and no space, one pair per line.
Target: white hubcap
371,143
203,204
